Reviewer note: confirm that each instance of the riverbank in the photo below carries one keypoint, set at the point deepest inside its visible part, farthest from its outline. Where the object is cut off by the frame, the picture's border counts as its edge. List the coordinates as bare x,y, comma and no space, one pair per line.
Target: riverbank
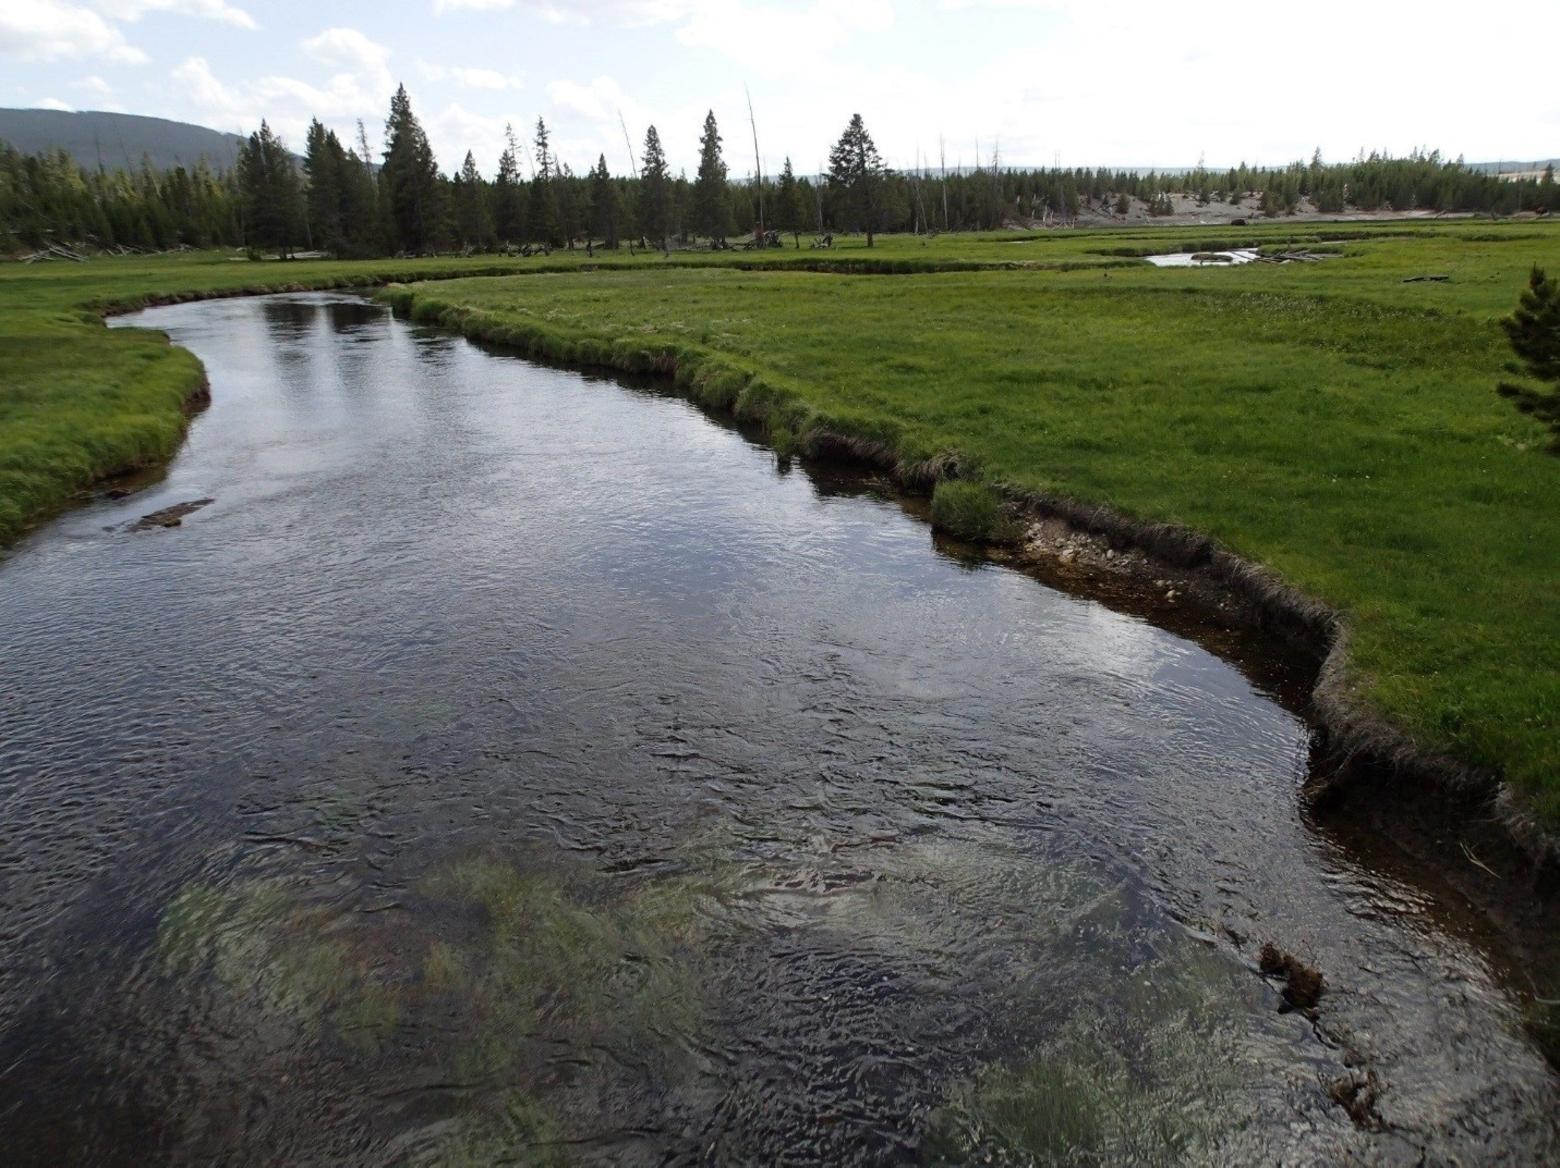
1344,439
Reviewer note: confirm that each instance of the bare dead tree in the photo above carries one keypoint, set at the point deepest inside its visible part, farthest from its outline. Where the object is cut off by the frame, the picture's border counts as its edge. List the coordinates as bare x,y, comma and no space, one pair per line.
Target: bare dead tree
628,142
758,165
366,158
942,154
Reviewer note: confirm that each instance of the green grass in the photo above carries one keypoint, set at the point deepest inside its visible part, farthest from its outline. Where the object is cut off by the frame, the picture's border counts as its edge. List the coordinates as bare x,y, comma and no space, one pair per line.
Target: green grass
1327,420
970,511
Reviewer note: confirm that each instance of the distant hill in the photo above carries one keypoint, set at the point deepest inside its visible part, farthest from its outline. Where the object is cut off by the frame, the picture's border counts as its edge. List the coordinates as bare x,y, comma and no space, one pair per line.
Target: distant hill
117,141
1518,166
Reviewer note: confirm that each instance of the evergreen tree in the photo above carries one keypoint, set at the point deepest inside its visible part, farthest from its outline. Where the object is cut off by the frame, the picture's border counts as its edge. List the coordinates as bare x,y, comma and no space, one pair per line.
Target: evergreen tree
508,215
360,219
542,219
473,224
655,194
268,188
606,209
323,202
790,211
571,223
711,201
409,180
856,175
1534,333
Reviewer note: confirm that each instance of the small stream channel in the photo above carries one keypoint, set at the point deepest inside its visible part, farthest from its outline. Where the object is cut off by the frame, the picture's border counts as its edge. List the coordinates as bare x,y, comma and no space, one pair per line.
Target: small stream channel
513,765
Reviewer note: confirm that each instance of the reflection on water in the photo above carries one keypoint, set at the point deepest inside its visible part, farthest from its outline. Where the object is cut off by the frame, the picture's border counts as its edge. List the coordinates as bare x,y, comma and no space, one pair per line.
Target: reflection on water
512,765
1204,259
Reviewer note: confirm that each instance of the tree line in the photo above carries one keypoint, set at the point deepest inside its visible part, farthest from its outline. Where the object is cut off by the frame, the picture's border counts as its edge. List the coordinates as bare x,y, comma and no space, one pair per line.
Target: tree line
341,200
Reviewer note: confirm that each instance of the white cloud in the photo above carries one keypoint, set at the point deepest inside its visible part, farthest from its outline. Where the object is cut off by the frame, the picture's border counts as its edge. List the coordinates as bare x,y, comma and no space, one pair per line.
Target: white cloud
456,129
470,76
598,100
204,91
93,84
734,28
348,48
287,103
552,13
220,10
54,103
47,30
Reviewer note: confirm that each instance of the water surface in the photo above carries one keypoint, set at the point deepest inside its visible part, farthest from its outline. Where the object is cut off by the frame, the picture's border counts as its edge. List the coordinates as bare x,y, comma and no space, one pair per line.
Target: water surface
512,765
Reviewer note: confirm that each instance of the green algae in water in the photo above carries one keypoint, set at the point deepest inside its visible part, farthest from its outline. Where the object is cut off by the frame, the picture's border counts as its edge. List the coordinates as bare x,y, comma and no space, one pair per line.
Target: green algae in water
493,967
1147,1080
261,941
520,1131
497,964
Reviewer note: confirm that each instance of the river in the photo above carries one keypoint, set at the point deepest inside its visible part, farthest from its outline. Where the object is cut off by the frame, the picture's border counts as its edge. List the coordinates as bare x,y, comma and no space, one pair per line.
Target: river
516,765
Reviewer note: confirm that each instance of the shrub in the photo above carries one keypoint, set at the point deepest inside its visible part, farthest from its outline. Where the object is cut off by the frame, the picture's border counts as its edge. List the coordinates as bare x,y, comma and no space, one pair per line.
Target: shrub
1534,332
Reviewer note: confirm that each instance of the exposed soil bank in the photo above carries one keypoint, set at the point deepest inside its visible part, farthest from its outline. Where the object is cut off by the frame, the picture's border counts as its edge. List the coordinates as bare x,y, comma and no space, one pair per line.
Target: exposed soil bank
1360,757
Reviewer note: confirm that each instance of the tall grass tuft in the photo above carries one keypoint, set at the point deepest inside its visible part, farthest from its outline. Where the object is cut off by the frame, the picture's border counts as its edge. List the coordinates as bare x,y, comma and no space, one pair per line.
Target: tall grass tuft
969,511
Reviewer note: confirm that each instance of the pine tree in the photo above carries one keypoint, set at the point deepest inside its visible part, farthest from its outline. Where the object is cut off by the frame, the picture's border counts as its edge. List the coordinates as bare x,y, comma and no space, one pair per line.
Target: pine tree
360,219
1534,333
473,224
542,219
655,203
268,188
570,224
323,201
790,212
711,202
508,207
606,209
856,176
409,180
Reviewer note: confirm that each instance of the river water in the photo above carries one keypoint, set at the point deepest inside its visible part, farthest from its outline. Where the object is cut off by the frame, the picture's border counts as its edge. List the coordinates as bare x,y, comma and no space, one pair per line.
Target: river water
512,765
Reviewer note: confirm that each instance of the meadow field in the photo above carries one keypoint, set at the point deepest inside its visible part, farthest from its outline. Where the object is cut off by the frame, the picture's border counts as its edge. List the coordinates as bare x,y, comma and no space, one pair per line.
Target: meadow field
1328,420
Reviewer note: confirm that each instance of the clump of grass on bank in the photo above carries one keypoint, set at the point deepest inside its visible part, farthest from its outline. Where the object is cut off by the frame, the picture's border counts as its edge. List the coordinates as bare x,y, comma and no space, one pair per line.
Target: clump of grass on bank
1329,421
969,511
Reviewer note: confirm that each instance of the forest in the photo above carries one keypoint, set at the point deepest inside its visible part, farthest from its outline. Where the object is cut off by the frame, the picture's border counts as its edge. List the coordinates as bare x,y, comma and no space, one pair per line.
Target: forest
341,199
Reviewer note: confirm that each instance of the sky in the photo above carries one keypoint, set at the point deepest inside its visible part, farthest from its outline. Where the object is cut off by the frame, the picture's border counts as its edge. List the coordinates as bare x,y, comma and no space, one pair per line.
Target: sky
1080,82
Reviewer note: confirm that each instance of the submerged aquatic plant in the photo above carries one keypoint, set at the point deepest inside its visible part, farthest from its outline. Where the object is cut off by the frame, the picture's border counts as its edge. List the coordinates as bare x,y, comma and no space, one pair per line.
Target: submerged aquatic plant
1144,1080
495,966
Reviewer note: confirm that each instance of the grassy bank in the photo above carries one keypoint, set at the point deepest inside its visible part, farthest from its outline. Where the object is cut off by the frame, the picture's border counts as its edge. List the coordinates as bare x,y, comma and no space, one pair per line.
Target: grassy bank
1327,420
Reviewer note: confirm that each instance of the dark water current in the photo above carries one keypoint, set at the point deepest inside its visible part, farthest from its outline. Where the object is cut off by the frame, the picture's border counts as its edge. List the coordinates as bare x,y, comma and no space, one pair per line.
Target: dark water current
514,766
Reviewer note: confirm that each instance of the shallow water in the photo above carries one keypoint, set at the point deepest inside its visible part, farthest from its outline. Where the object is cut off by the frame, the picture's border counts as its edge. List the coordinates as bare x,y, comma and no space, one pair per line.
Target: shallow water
514,764
1187,259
